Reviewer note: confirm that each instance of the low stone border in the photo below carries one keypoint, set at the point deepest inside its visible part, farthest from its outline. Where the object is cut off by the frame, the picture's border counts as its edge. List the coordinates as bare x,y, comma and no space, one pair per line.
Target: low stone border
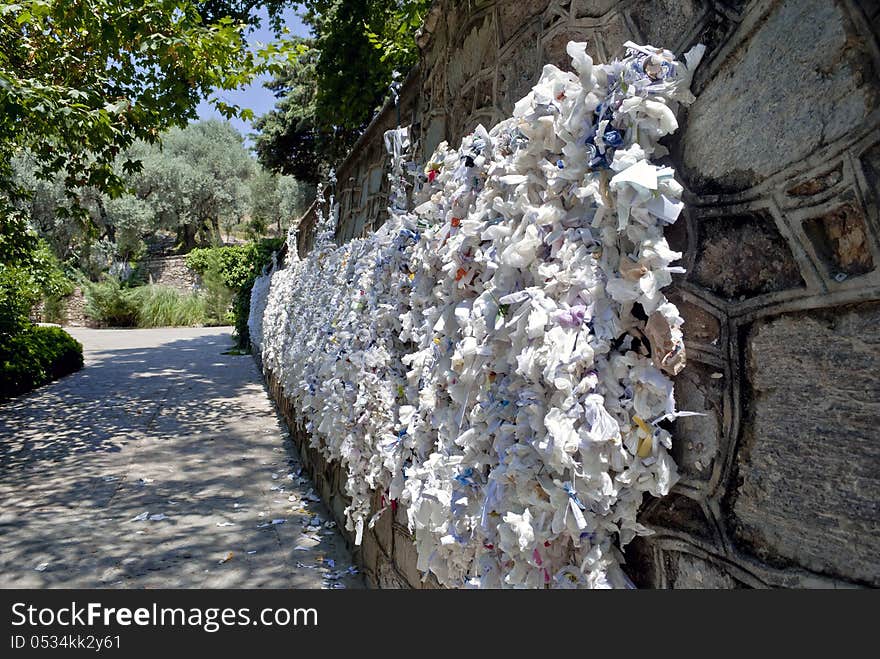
387,555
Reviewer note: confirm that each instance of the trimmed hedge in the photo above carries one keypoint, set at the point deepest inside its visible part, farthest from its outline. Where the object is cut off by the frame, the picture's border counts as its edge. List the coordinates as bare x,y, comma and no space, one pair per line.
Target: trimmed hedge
35,356
237,267
237,264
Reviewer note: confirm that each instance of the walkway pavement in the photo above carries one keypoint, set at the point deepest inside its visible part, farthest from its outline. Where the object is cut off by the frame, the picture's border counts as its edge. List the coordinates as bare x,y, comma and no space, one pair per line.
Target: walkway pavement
161,464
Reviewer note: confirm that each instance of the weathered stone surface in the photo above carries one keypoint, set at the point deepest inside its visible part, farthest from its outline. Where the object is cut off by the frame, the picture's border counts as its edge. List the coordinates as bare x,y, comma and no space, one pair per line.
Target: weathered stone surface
69,311
484,93
697,439
640,565
387,577
435,133
699,325
592,8
514,14
689,571
518,69
818,183
613,34
809,487
553,46
475,53
870,160
383,528
406,557
369,554
680,513
168,271
677,235
666,21
795,86
744,255
840,239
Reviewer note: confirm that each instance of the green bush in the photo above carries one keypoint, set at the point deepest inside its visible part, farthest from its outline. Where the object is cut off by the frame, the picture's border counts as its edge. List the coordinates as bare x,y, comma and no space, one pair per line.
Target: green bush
237,263
241,309
35,356
18,294
217,293
109,303
25,278
54,310
236,267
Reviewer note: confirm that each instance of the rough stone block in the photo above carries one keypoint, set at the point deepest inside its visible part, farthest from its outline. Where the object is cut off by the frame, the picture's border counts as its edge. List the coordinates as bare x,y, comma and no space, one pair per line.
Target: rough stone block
375,178
484,94
663,23
338,504
387,577
592,8
809,467
613,34
430,583
870,161
553,46
699,325
688,571
435,133
697,441
817,184
476,51
406,557
796,84
639,564
840,238
383,530
744,255
680,513
370,553
514,14
518,69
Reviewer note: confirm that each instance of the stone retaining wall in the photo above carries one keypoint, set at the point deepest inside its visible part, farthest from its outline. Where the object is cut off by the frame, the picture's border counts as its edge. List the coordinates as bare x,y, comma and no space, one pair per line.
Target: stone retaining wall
168,271
387,555
780,159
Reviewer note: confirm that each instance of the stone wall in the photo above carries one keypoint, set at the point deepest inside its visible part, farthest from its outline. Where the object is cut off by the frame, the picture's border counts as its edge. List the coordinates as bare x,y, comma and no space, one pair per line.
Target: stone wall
780,158
386,555
168,271
75,309
71,309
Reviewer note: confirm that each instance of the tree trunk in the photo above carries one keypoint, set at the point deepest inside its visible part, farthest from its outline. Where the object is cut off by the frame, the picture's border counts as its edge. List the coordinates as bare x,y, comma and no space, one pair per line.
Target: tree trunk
186,237
217,236
109,228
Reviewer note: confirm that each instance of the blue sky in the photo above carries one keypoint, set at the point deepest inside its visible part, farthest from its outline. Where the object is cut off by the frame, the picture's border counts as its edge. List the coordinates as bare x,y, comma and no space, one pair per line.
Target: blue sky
254,96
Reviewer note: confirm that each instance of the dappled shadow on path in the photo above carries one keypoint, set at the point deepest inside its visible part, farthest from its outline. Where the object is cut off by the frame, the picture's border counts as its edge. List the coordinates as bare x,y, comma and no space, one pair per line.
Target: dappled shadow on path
157,424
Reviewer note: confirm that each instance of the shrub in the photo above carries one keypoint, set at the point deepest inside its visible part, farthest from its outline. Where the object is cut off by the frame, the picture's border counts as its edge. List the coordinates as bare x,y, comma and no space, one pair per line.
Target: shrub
25,278
108,303
35,356
217,292
18,294
54,310
236,267
237,263
163,306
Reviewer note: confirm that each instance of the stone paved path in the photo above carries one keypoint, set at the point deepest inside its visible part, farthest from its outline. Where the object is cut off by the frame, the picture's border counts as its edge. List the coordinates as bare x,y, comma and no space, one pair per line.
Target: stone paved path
158,422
